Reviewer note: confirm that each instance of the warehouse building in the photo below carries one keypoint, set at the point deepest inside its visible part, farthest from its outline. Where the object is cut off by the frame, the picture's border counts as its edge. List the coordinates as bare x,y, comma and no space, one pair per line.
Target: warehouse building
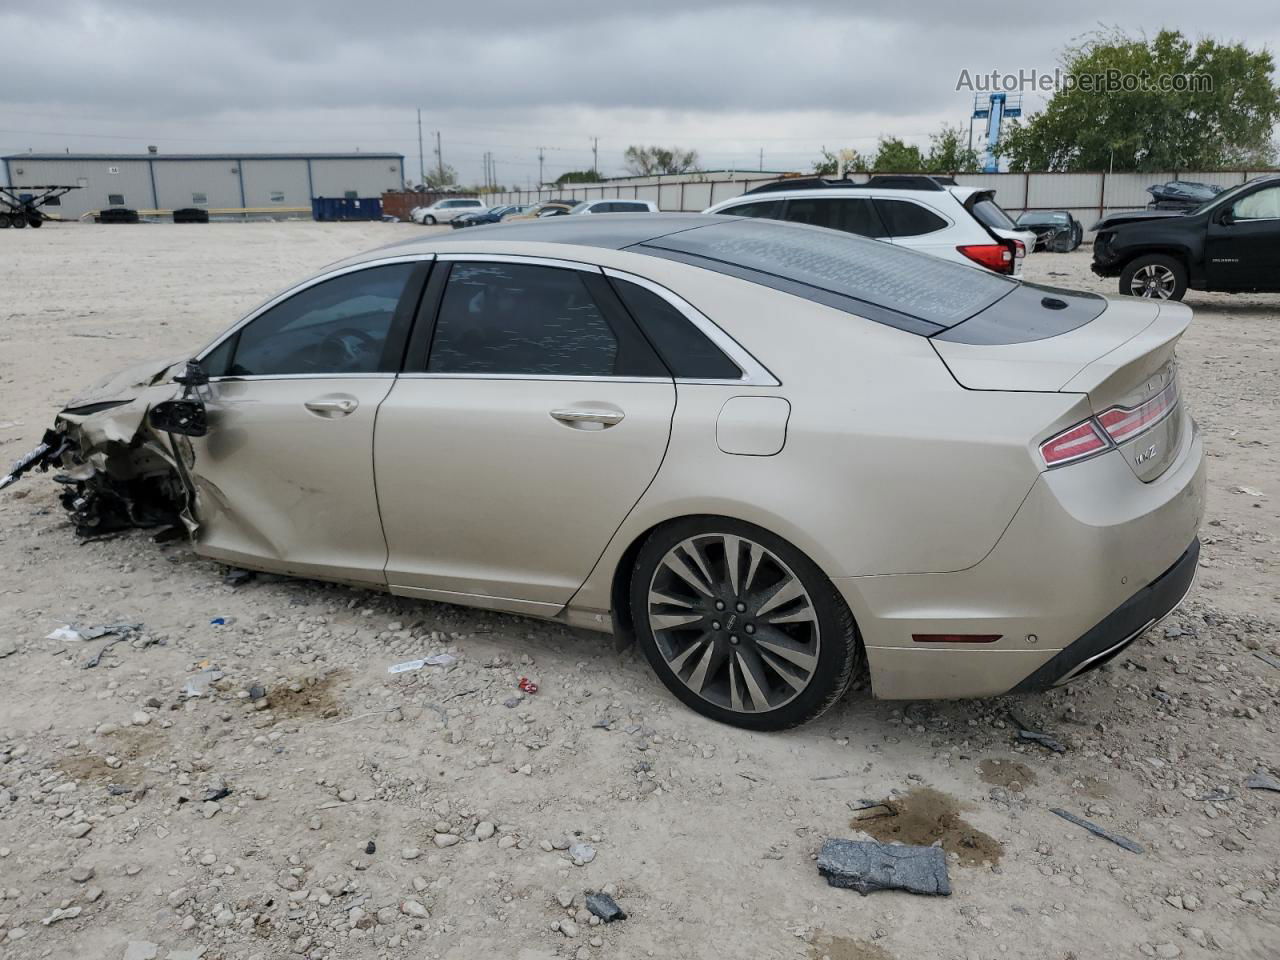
253,183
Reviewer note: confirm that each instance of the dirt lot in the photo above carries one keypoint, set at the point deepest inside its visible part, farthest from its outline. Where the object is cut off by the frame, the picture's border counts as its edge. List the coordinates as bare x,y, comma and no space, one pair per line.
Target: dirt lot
354,814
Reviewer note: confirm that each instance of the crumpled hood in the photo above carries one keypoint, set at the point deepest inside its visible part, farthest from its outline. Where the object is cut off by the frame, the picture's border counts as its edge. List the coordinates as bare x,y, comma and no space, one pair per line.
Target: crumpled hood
126,384
1134,216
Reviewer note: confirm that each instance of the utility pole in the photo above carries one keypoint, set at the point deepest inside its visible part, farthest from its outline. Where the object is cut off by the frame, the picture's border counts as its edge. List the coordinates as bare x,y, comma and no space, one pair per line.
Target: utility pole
439,160
762,159
422,169
540,180
595,155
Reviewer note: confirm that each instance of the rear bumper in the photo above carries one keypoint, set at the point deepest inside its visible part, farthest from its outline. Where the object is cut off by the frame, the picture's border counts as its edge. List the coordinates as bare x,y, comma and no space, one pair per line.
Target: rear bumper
1088,539
1120,628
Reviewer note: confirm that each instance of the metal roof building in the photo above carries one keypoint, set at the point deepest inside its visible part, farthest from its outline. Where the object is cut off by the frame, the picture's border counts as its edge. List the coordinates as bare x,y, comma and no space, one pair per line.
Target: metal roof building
220,182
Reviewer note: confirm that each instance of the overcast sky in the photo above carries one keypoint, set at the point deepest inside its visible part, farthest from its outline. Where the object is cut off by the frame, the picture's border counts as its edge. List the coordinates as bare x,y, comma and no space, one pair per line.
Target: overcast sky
725,78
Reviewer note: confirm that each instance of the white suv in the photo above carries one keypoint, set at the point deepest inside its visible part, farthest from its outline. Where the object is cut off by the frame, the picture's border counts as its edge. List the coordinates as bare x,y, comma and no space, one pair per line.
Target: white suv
442,211
614,206
930,214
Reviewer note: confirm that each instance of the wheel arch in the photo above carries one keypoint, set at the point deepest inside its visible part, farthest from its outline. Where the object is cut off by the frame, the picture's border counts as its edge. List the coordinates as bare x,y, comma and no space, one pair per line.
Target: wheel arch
619,571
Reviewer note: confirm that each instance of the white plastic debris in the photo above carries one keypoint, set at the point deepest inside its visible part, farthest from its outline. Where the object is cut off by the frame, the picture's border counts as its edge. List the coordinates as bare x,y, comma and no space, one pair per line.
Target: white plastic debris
435,660
66,633
199,684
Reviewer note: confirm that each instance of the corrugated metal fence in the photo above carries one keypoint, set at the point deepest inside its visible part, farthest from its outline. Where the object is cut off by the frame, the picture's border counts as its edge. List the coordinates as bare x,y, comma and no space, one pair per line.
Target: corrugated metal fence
1087,195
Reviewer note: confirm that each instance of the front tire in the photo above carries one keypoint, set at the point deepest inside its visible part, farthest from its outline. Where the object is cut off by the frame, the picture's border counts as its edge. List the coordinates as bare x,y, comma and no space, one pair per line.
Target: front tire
740,625
428,221
1155,276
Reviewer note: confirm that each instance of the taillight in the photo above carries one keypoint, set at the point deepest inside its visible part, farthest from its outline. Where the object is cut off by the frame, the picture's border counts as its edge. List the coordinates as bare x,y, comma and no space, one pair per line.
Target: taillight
1112,427
1083,440
1123,423
1019,250
993,256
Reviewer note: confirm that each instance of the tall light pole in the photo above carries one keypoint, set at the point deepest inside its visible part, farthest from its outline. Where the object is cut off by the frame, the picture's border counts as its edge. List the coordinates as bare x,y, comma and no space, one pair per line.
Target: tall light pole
439,160
422,169
540,180
595,155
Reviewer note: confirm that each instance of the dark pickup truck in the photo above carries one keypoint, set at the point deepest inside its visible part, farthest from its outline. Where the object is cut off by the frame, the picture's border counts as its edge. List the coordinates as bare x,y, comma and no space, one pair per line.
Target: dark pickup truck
1229,243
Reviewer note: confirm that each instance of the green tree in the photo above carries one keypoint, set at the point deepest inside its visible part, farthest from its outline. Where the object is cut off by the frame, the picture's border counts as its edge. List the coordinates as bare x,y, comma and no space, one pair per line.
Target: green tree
650,161
1223,115
579,176
894,156
829,164
949,152
438,178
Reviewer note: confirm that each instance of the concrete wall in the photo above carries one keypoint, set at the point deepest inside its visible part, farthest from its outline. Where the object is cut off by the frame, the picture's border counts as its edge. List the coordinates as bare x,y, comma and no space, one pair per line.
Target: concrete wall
170,183
1087,195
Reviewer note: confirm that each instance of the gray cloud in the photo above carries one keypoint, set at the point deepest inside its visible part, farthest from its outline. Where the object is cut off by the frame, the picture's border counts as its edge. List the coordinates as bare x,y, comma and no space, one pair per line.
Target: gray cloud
498,75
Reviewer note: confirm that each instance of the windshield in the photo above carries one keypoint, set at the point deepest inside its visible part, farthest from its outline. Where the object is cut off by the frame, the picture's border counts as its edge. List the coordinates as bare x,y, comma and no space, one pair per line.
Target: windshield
579,206
1227,196
1041,219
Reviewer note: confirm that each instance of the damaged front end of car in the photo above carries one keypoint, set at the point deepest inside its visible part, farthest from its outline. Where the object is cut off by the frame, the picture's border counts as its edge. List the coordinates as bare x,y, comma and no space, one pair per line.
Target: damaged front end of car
118,451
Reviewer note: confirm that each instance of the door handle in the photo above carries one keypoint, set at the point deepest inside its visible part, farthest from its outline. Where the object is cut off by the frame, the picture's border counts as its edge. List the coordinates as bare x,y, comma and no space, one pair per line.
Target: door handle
588,417
333,407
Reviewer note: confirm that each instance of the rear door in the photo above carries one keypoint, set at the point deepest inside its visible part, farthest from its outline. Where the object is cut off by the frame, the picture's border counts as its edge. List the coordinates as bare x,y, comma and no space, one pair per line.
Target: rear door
531,417
1244,252
855,215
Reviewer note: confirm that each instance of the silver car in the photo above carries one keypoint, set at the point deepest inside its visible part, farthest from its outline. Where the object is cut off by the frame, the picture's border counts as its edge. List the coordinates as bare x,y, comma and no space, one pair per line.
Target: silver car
778,456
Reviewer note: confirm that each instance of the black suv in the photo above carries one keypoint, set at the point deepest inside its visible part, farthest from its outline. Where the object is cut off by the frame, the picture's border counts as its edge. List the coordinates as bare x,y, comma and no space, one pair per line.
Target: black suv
1229,243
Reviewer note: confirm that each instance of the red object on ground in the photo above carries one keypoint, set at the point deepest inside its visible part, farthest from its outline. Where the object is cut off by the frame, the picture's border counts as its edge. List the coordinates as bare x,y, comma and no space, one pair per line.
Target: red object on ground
527,685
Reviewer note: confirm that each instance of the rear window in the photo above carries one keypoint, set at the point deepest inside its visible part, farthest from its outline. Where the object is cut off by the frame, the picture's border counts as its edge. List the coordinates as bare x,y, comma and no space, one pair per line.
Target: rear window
903,288
991,214
684,348
850,214
769,209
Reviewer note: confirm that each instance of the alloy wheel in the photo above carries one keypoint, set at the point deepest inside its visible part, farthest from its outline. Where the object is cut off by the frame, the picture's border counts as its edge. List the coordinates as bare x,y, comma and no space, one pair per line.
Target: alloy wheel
733,623
1153,281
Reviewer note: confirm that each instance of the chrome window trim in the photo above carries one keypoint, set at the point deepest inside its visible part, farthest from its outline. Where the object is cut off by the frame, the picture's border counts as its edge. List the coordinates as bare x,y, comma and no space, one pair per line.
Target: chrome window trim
549,377
304,376
517,258
754,373
298,288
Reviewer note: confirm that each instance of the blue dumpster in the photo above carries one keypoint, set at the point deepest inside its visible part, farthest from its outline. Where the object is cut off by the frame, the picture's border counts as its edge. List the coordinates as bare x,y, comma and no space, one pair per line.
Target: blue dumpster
346,208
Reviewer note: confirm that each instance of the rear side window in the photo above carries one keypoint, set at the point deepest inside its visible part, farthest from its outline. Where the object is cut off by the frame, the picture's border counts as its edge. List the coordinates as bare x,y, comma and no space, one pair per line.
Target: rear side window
852,214
685,349
768,209
903,218
625,207
526,320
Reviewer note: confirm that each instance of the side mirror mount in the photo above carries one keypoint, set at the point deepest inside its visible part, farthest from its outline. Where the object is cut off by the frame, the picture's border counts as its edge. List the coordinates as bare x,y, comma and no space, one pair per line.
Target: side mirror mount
1226,217
184,417
193,375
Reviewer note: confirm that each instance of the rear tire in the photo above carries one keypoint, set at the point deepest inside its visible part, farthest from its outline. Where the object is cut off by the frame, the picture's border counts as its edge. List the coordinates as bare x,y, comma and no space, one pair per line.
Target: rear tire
747,630
1154,276
34,221
4,221
17,221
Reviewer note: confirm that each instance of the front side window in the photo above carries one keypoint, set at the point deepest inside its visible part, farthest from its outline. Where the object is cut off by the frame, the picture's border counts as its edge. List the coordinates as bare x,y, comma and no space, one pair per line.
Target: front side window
903,218
1263,205
685,349
850,214
768,209
520,319
340,326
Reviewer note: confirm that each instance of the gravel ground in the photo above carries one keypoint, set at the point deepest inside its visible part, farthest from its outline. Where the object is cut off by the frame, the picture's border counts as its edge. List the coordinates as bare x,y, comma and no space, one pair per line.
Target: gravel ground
314,805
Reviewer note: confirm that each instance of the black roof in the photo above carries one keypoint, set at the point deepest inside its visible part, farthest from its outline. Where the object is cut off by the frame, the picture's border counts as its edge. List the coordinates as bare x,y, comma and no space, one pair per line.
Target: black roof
883,181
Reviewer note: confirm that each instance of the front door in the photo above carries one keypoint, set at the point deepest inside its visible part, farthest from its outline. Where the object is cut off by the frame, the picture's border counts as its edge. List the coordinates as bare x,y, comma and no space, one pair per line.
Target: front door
508,456
1244,252
284,477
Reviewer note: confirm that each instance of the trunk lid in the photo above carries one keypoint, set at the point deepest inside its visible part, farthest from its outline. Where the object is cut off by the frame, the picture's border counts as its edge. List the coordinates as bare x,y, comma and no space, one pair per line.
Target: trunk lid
1123,359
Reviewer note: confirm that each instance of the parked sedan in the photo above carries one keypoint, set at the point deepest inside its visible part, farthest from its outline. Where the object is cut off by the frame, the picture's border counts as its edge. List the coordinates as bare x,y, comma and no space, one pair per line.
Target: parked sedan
778,455
1056,230
614,206
492,215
